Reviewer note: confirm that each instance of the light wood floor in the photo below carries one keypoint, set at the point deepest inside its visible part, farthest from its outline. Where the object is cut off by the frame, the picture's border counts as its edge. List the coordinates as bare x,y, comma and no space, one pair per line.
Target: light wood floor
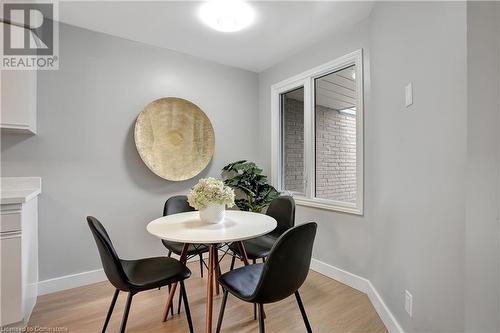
330,305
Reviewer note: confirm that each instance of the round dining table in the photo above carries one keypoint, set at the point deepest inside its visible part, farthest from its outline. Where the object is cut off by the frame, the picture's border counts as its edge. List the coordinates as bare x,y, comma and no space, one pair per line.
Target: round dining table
187,228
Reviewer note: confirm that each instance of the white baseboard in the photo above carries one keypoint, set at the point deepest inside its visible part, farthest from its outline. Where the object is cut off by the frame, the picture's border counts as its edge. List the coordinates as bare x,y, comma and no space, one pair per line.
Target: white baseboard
80,279
364,285
383,311
70,281
352,280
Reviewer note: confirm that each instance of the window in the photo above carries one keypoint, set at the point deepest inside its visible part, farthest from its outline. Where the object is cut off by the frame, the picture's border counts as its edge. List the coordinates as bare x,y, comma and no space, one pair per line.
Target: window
317,124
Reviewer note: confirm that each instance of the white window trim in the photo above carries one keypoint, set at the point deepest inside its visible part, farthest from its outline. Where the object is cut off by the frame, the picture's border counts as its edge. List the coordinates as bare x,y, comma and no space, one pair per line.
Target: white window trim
306,80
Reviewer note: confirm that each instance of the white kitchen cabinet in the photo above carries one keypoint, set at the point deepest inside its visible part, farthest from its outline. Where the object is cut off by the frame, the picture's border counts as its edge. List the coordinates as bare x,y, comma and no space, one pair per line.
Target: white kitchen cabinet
18,97
18,249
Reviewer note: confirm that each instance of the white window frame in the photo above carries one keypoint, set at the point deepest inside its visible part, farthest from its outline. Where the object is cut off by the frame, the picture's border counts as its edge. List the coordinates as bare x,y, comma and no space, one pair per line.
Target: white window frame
306,80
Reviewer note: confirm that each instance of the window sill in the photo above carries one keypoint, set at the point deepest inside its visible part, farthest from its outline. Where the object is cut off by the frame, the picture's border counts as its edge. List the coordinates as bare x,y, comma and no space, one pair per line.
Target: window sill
328,205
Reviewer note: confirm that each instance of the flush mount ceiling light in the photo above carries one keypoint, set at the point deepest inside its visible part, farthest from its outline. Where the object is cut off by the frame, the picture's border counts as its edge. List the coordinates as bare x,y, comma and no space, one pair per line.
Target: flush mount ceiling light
227,15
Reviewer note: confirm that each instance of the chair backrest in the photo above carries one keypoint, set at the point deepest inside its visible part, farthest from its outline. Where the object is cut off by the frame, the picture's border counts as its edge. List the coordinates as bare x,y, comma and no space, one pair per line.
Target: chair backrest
287,265
109,259
177,204
282,209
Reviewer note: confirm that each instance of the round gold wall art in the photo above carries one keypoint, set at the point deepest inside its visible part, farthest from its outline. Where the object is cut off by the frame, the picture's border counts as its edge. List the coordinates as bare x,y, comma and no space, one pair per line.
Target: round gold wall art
174,138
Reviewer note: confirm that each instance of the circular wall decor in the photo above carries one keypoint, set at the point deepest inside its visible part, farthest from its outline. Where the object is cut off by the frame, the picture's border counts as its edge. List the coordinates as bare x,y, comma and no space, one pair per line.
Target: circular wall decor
174,138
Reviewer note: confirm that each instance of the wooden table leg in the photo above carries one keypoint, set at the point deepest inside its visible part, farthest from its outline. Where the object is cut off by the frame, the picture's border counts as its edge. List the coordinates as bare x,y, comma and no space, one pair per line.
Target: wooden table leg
243,253
171,294
210,286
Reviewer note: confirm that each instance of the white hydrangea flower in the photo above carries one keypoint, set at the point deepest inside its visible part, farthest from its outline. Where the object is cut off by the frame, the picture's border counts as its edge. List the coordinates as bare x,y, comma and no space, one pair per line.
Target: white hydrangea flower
210,190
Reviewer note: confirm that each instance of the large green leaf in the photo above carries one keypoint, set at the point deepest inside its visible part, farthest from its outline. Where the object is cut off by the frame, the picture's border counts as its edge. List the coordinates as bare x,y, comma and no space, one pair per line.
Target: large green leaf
233,166
247,178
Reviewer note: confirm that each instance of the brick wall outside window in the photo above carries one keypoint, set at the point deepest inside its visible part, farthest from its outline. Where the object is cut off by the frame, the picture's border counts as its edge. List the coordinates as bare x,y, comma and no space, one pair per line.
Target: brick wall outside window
335,152
294,145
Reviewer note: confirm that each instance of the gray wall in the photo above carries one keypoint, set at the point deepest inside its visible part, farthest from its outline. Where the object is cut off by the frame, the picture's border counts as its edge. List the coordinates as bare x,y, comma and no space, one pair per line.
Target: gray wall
85,152
418,160
481,228
412,235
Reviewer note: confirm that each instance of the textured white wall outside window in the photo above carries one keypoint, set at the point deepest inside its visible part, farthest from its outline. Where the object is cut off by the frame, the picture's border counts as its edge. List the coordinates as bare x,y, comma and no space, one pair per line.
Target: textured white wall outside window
335,155
293,169
335,152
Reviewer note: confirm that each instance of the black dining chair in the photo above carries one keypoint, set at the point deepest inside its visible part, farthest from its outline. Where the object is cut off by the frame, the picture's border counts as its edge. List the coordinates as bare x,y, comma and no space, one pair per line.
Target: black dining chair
179,204
134,276
282,209
280,276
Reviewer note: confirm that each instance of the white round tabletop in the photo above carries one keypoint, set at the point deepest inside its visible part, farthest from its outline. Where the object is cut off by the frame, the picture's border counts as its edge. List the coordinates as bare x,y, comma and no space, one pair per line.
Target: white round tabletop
188,228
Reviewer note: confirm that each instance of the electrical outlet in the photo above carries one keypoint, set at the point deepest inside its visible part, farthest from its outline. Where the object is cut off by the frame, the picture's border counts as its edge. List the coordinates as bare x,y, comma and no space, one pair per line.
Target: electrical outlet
408,303
409,94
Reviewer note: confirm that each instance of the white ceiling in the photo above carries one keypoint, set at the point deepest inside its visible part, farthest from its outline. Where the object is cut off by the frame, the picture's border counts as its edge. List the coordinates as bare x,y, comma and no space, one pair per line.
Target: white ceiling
280,30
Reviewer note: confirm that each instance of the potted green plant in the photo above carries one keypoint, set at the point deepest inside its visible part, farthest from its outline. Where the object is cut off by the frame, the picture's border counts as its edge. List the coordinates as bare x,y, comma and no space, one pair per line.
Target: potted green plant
210,197
250,185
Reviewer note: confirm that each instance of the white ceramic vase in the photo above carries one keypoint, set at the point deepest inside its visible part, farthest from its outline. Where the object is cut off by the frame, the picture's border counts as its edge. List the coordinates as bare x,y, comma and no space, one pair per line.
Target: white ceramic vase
213,213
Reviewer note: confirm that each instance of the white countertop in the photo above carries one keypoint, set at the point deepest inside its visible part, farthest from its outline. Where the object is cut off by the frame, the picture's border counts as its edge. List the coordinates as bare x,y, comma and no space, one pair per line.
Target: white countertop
15,190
